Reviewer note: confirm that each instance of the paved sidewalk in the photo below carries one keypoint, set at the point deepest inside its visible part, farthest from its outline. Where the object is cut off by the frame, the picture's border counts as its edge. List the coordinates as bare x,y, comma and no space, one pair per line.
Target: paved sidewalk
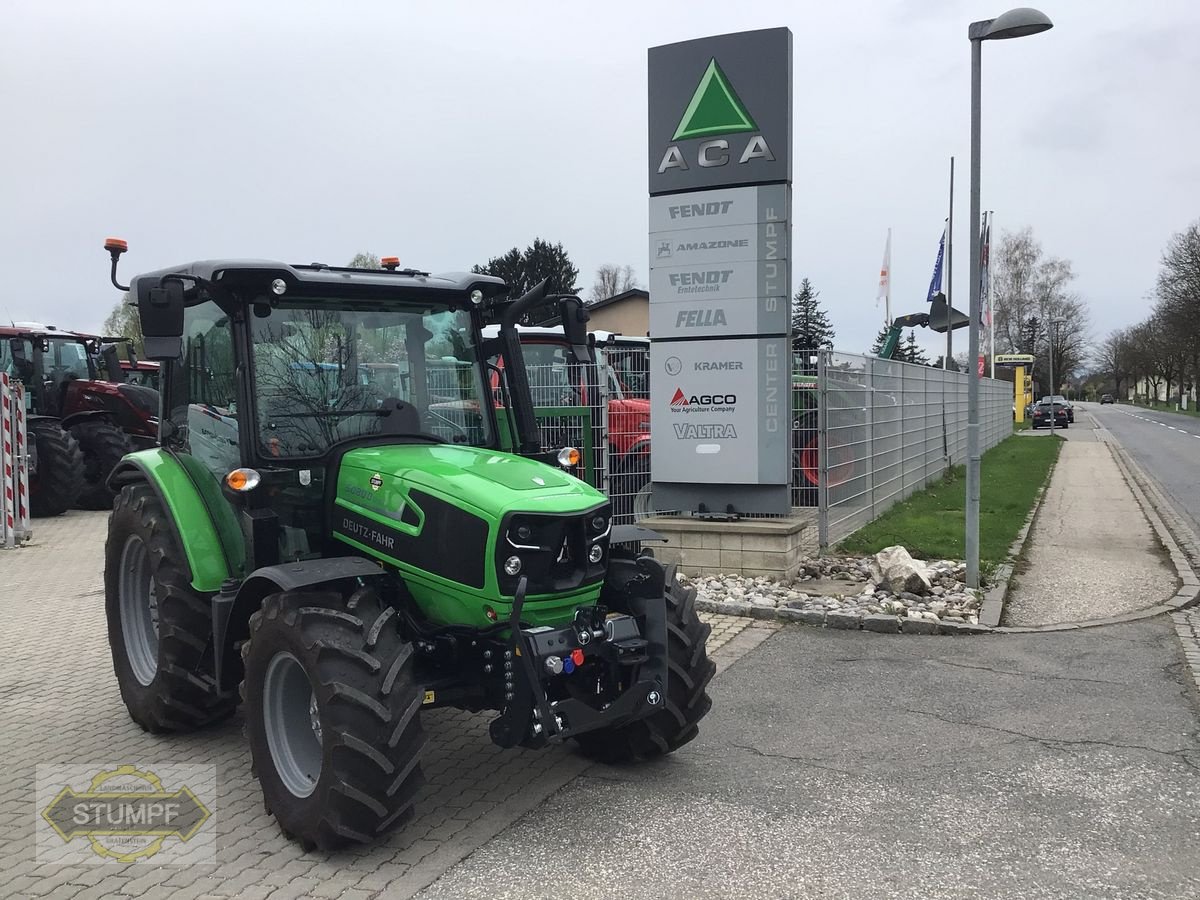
61,705
1092,553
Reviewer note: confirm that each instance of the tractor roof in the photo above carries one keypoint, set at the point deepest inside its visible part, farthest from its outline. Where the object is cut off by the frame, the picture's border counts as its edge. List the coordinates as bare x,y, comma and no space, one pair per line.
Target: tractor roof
319,280
37,329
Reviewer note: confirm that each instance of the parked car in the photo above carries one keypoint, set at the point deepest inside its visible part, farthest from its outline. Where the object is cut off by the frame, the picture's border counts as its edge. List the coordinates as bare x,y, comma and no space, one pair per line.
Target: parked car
1106,398
1065,403
1043,411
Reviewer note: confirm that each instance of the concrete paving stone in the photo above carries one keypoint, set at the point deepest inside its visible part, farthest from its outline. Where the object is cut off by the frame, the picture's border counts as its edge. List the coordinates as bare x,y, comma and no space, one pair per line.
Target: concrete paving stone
843,620
883,624
919,626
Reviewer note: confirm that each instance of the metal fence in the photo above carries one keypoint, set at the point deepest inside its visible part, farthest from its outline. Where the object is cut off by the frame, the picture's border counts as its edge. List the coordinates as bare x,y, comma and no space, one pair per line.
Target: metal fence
883,430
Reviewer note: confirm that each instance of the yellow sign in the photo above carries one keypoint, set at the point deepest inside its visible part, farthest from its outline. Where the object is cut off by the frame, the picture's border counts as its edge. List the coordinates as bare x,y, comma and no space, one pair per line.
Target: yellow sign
430,697
1014,359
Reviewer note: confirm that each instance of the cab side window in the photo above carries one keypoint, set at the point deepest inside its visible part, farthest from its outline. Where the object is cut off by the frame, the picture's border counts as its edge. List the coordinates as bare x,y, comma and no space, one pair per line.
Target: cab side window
202,400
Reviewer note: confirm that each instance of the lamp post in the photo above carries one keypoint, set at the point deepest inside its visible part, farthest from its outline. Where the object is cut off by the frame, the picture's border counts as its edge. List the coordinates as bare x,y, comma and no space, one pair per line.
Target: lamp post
1054,323
1012,24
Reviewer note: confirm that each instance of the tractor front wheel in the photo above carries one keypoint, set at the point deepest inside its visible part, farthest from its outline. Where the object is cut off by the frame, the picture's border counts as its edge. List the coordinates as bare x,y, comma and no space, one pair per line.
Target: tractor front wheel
103,444
158,627
333,715
689,670
57,480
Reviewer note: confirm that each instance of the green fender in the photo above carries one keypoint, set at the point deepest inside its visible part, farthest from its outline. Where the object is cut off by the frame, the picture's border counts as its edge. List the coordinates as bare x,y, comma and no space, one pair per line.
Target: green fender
203,521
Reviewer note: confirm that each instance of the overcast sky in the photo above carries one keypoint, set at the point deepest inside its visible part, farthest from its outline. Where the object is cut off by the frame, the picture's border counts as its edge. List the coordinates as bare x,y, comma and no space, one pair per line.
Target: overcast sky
447,133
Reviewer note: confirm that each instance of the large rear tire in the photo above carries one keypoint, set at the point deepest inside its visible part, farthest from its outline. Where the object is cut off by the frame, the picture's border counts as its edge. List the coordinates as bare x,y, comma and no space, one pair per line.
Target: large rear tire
333,715
58,481
689,670
103,444
159,629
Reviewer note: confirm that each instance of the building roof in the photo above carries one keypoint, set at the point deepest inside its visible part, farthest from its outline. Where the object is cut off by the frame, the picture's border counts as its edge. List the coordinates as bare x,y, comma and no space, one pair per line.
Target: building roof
631,294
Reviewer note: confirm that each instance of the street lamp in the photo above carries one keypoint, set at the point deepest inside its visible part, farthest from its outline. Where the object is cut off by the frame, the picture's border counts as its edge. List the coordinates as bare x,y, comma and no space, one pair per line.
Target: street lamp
1054,322
1012,24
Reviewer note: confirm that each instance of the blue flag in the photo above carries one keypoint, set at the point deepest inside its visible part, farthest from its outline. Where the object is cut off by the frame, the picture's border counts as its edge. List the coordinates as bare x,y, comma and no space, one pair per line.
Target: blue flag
935,283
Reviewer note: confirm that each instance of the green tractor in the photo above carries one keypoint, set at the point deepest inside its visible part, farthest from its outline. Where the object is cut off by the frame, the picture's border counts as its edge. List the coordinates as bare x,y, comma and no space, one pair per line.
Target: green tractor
352,550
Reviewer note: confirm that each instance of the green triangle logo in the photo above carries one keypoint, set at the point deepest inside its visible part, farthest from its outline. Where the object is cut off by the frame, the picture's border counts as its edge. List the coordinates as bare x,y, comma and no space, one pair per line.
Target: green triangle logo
715,108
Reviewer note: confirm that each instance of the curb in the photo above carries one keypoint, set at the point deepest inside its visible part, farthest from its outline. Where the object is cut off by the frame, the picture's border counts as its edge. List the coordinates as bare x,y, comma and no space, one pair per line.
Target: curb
842,620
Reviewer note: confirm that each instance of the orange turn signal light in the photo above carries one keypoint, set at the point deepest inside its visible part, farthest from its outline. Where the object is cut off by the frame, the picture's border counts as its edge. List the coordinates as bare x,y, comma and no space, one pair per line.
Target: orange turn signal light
242,480
569,457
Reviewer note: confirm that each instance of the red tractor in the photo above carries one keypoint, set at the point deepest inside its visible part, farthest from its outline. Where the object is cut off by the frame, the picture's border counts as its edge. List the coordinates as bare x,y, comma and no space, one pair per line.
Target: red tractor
556,380
80,425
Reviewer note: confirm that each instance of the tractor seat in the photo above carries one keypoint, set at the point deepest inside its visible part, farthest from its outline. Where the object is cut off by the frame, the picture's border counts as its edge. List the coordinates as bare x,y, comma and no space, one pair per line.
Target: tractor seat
399,417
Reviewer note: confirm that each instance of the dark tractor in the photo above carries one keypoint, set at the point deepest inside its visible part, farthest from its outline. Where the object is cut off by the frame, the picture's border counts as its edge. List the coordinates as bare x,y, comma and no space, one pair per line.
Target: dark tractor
74,441
330,525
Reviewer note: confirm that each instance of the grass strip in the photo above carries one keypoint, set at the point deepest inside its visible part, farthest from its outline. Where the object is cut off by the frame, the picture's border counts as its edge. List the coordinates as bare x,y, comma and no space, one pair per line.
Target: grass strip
931,522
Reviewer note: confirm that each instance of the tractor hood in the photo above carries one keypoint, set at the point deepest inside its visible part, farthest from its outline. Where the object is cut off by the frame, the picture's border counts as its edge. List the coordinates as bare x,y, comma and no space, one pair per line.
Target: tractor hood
492,482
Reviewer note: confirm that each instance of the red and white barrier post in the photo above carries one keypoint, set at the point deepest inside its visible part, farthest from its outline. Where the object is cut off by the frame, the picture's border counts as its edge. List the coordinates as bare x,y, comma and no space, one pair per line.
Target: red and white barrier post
14,464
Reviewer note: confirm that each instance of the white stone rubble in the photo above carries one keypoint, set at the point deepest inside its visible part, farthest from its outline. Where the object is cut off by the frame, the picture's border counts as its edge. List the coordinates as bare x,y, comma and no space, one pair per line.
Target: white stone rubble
881,584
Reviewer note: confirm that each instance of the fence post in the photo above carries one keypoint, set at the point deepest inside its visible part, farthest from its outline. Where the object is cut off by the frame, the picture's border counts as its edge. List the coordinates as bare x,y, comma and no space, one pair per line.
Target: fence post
822,451
869,408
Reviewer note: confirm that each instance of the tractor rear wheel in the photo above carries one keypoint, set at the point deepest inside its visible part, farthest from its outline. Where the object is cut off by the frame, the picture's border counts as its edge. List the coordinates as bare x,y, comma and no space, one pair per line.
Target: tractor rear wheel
333,715
55,485
158,627
689,670
103,444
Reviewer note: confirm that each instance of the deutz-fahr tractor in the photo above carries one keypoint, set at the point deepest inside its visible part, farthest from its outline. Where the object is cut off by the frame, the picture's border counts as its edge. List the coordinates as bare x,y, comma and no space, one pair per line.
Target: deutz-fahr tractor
353,549
80,424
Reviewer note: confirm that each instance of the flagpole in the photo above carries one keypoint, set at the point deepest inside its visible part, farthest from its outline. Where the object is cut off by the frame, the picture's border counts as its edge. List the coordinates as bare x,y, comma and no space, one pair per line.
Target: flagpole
991,309
950,272
887,300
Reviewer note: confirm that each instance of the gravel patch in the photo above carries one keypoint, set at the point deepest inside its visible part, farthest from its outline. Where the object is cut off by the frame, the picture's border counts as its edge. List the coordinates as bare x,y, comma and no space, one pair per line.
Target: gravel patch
848,592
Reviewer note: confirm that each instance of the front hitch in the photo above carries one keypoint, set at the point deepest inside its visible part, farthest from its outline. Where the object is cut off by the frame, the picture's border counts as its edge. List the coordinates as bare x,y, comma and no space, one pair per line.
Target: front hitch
630,649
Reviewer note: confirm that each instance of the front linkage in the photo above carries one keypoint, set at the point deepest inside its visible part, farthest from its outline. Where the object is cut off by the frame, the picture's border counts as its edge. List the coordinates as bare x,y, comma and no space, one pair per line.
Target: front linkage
550,673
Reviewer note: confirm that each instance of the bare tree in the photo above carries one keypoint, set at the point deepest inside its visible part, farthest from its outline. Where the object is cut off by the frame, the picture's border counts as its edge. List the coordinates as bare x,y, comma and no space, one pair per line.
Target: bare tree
1025,283
612,280
1179,297
1035,310
1114,358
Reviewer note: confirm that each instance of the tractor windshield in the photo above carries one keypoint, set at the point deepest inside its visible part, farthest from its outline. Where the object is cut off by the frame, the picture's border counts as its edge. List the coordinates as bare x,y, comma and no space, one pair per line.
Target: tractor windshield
66,359
322,375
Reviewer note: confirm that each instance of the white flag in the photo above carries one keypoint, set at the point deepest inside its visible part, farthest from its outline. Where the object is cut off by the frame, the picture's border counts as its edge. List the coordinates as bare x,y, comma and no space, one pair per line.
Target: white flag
885,272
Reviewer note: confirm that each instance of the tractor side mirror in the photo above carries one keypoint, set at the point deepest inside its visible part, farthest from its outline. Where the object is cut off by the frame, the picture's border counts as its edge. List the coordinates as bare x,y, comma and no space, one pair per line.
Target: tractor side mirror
574,322
160,309
22,364
112,364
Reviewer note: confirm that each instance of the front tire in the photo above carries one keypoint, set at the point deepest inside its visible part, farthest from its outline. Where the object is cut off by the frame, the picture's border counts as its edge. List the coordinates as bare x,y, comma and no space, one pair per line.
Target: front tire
333,716
102,444
56,485
689,670
159,629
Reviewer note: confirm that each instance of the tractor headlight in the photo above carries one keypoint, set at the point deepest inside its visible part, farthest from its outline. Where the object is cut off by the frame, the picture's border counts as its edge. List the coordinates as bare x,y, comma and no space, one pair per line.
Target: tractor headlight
595,553
512,565
278,287
568,457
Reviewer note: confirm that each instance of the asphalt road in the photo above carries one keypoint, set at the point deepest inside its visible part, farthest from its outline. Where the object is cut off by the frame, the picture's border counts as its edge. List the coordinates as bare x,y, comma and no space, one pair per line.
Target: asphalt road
849,765
1166,445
